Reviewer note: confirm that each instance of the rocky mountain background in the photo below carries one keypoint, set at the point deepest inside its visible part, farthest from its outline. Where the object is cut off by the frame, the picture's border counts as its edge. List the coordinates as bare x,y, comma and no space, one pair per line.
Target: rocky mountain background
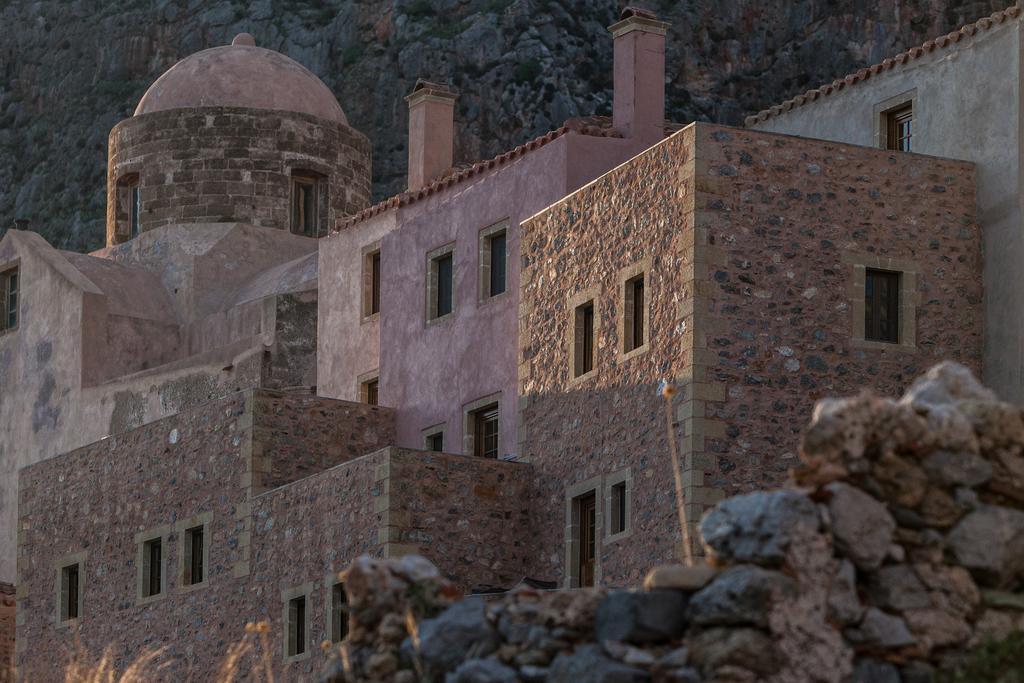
71,69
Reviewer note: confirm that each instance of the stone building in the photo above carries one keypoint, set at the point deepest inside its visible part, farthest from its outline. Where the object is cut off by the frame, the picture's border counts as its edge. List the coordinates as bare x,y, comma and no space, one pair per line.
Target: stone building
261,377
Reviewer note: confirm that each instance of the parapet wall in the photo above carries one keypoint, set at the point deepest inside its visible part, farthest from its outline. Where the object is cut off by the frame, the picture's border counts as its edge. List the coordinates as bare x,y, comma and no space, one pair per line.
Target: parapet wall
894,550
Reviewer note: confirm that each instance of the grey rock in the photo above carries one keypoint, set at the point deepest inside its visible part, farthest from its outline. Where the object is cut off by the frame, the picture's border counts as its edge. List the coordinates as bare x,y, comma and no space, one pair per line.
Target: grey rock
989,542
874,671
684,675
881,630
675,659
758,527
746,648
957,469
917,672
861,525
533,674
897,587
460,633
634,617
587,664
482,671
843,603
740,595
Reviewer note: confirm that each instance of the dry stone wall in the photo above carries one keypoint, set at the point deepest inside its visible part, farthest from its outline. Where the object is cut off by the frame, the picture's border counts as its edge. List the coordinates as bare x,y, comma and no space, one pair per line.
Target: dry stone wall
893,551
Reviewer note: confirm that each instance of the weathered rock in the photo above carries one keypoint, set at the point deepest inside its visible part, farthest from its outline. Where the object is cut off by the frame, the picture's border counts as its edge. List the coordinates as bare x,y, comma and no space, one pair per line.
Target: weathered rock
635,617
880,630
679,577
901,481
934,628
746,648
945,384
460,633
1003,599
843,604
482,671
861,525
990,543
957,469
898,588
758,527
740,595
587,664
939,509
874,671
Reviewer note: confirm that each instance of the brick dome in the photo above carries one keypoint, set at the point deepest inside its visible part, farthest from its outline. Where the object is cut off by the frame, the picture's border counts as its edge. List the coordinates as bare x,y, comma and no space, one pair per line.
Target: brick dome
241,75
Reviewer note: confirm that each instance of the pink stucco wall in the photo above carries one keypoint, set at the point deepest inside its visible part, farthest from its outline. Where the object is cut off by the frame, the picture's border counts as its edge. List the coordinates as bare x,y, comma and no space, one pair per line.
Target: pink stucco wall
429,372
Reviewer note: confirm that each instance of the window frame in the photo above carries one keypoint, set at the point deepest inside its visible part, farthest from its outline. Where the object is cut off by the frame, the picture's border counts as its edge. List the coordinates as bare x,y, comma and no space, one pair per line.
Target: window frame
182,528
874,304
8,270
371,256
883,113
331,583
318,182
622,478
909,298
127,205
304,592
576,343
434,258
469,426
628,348
431,432
573,497
363,387
61,603
486,263
143,560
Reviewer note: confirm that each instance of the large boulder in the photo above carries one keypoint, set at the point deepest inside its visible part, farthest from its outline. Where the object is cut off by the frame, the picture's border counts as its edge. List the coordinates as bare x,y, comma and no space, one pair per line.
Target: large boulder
758,527
657,616
990,543
740,595
861,525
460,633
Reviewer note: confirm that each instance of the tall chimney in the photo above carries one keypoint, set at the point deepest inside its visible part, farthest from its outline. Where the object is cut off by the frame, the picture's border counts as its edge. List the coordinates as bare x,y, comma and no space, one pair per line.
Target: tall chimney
431,132
638,109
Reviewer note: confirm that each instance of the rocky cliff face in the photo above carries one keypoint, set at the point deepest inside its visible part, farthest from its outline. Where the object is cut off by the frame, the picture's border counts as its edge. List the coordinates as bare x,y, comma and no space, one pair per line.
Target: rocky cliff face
70,69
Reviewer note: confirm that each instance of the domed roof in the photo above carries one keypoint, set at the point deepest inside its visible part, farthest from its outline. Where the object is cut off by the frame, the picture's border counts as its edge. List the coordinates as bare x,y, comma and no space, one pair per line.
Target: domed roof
241,75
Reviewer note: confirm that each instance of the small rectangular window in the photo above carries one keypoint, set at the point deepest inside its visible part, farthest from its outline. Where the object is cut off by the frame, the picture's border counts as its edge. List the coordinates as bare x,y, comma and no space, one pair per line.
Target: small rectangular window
440,286
70,592
583,351
435,442
339,613
485,431
135,209
152,570
194,545
493,262
305,205
634,309
371,392
297,626
882,306
371,283
618,505
9,294
900,128
585,513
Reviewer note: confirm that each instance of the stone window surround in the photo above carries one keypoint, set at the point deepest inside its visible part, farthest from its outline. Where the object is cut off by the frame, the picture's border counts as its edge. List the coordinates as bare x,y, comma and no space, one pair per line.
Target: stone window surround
5,268
575,301
321,177
162,532
882,110
78,558
642,267
624,476
330,581
469,429
440,428
483,289
203,519
572,530
364,379
366,292
909,298
287,595
431,284
126,179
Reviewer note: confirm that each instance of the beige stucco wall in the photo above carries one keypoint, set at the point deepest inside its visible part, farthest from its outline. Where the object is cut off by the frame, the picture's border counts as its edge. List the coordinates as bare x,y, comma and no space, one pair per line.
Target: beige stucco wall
968,104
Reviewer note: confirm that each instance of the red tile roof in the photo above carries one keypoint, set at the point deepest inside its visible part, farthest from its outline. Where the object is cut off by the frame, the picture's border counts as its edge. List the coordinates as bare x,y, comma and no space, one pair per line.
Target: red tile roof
594,126
899,60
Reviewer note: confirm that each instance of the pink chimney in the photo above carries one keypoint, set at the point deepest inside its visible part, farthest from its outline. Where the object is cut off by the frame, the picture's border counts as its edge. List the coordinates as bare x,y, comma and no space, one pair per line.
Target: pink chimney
638,109
431,132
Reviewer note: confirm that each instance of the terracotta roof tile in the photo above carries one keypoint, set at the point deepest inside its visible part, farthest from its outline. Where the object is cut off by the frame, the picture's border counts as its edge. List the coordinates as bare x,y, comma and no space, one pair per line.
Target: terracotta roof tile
864,74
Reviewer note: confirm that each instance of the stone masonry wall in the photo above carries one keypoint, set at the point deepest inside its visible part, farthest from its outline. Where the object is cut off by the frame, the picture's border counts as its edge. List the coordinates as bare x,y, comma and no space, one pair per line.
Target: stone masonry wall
749,243
298,435
224,164
7,631
890,556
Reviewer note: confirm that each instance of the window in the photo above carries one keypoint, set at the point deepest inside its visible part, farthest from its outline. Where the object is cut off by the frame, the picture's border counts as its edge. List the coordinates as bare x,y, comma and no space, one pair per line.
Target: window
128,206
369,388
440,285
882,306
9,292
307,188
635,312
493,261
195,541
583,339
899,124
371,283
618,516
70,592
586,547
152,567
296,644
339,613
485,431
372,397
435,442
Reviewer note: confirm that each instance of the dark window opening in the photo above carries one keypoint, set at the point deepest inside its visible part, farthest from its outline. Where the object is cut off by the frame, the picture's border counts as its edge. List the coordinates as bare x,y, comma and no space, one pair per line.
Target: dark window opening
339,613
900,129
618,511
634,311
496,284
882,306
586,510
441,272
297,626
584,339
194,569
9,292
435,442
135,210
375,282
128,207
70,592
485,431
371,392
152,568
305,211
